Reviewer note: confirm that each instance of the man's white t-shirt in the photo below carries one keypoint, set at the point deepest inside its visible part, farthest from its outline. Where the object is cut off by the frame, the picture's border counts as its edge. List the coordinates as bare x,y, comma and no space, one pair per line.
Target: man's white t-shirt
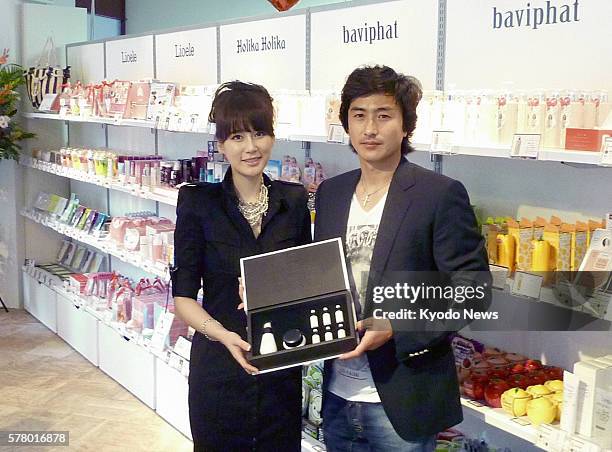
352,379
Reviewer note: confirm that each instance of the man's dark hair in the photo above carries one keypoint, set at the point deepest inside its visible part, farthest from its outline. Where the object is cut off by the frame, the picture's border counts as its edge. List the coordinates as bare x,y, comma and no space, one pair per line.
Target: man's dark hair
367,80
239,106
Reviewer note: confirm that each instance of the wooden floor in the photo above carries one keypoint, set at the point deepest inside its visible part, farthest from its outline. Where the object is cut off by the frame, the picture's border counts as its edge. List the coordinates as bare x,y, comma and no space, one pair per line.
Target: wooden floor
46,385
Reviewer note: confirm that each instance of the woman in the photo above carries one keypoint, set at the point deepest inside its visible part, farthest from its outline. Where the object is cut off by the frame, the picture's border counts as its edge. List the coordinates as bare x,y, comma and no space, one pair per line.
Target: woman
230,407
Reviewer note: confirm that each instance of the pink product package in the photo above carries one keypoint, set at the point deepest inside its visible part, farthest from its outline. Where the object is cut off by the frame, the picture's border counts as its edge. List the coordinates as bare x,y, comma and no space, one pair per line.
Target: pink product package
117,229
77,282
97,284
466,351
143,311
131,240
121,306
178,328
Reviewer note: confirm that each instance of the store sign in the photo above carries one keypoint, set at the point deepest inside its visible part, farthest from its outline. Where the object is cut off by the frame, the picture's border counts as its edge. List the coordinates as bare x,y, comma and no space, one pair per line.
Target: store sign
541,44
400,34
86,62
188,57
269,52
547,13
130,59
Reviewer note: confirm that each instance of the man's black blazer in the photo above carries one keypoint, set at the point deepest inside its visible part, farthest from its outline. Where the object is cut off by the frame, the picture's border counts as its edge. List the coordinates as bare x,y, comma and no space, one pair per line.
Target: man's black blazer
427,225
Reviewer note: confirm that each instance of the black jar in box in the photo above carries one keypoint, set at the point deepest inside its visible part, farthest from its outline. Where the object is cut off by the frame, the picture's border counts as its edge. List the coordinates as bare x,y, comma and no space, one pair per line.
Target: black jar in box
299,305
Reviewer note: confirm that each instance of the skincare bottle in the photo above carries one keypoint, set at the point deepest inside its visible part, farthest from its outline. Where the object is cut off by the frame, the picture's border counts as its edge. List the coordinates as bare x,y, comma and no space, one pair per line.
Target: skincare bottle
268,342
314,320
326,317
339,315
315,336
552,129
293,339
341,331
328,333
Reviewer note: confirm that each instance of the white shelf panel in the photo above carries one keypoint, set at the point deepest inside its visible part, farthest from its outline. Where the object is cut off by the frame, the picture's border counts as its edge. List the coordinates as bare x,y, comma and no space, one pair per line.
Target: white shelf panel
172,405
104,245
92,120
502,420
163,195
542,436
77,328
548,155
130,365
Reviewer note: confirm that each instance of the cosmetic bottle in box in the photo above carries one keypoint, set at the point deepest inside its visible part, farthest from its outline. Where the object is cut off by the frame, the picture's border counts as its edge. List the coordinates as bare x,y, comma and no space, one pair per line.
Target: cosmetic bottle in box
282,289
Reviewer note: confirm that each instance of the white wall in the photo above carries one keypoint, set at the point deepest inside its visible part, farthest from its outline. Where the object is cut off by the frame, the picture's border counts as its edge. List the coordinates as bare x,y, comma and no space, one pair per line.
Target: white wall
25,38
148,15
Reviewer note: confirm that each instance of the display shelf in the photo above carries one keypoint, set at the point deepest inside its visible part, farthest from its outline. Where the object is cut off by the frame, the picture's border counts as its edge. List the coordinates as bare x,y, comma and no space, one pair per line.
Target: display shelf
497,417
545,154
543,437
163,195
102,244
92,120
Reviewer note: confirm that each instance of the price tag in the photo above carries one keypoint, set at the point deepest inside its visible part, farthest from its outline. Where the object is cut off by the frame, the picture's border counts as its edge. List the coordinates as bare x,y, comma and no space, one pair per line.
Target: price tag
441,142
48,102
606,152
499,275
527,284
525,145
175,361
520,421
183,347
475,403
335,134
551,439
162,330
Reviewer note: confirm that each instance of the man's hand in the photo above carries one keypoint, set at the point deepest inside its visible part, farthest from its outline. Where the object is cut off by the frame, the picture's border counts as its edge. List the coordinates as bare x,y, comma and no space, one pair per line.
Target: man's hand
377,333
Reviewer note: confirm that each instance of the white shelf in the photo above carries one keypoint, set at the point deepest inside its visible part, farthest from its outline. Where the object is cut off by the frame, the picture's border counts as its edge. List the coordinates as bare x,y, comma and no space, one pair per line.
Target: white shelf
163,195
104,245
545,154
93,120
116,348
497,417
542,437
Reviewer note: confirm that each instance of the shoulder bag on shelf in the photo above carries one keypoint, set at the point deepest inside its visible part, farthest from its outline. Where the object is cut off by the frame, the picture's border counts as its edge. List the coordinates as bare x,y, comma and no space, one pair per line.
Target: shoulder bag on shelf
45,78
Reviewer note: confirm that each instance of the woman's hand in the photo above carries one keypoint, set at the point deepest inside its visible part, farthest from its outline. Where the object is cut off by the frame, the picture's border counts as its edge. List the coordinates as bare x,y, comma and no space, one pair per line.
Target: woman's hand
241,294
237,347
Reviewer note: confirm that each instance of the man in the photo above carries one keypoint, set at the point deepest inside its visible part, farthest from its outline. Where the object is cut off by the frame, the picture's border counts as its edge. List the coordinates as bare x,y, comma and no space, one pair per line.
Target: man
398,388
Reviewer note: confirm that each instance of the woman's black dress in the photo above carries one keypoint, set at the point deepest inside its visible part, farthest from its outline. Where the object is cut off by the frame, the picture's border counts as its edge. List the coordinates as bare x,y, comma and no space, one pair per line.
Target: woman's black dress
230,410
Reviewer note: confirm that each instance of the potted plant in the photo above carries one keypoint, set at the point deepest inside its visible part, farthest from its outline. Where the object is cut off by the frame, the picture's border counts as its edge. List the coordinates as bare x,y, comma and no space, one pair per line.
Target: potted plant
11,133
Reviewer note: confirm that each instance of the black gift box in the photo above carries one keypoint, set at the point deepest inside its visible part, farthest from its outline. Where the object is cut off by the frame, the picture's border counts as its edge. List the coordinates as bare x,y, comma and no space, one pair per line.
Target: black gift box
283,287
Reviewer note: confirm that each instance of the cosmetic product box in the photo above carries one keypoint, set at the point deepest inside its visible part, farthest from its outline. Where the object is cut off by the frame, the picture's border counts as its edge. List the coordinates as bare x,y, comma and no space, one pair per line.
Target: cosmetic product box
585,139
285,288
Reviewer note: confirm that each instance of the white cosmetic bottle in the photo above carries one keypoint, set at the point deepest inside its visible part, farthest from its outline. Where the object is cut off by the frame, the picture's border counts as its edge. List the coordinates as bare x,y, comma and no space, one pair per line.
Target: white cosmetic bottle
268,342
314,320
338,314
328,333
315,336
326,317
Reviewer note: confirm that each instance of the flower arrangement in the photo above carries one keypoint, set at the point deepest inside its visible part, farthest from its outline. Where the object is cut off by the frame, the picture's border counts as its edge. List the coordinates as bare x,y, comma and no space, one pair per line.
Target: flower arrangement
11,77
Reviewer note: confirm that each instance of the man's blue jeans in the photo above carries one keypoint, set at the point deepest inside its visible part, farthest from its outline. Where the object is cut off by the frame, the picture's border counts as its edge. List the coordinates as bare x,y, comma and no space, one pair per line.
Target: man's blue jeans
360,427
